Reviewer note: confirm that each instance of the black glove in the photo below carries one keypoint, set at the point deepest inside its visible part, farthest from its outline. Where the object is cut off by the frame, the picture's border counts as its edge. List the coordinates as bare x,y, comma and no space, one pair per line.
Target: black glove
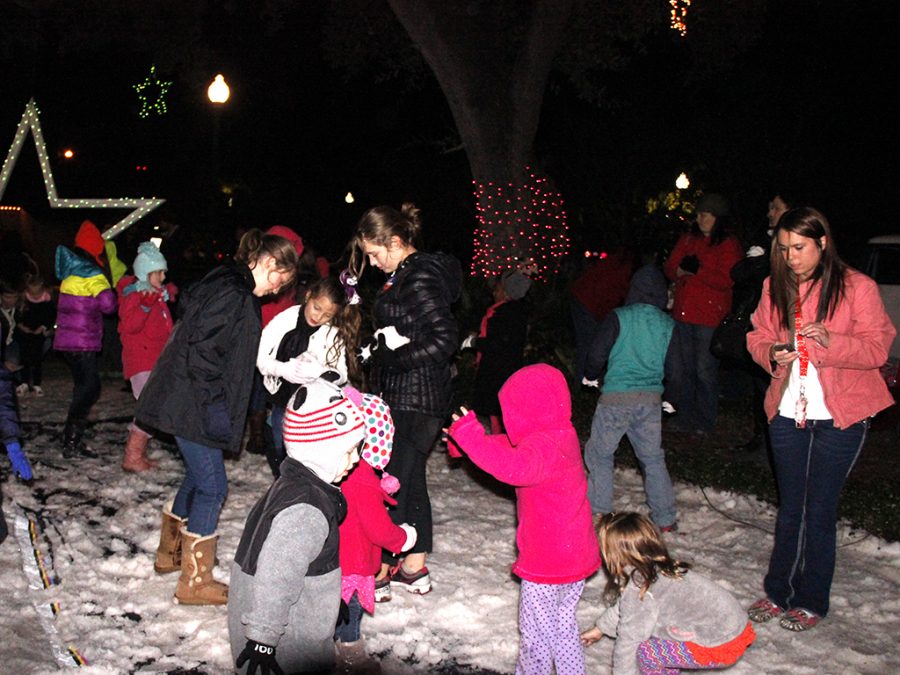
690,263
343,614
217,423
384,355
257,655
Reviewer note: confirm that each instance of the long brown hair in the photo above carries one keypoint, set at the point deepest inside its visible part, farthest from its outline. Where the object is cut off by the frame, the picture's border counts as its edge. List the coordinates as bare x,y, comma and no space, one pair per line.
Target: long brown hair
255,245
633,550
347,321
784,288
379,224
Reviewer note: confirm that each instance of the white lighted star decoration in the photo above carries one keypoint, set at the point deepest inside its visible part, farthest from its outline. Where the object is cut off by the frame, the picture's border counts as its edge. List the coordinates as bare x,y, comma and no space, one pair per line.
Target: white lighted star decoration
140,207
152,84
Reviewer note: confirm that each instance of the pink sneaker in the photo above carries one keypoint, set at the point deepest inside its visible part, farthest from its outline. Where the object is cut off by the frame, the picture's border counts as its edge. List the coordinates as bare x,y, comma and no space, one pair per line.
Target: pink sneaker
763,609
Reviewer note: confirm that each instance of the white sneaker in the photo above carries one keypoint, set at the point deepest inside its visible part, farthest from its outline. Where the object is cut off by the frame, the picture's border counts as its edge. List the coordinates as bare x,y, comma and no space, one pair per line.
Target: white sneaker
37,391
22,389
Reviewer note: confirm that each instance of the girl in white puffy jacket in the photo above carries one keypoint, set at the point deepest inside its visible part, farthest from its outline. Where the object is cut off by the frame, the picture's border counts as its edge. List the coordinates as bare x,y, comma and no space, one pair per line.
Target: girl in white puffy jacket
305,341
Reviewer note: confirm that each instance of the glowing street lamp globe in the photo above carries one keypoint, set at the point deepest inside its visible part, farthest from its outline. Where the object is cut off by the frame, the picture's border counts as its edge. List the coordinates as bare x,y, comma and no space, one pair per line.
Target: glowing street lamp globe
682,182
218,91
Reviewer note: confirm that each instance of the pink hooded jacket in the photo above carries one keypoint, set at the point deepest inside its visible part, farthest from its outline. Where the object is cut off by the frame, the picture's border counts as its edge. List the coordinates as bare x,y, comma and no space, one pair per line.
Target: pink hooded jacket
860,335
540,456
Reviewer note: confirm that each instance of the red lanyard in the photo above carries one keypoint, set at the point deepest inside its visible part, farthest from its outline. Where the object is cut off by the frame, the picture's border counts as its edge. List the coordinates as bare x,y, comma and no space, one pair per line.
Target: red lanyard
803,358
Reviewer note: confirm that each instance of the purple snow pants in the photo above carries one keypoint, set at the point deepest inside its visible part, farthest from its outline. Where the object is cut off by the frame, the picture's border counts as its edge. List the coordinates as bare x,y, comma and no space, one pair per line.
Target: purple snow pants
548,630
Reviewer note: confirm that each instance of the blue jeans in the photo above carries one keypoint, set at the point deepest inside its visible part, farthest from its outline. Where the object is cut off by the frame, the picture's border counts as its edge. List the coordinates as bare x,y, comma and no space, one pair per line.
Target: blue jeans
693,384
642,424
349,631
202,493
811,466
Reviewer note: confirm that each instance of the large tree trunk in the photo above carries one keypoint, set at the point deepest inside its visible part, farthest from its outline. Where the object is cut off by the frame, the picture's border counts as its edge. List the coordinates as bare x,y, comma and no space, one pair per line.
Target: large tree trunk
492,61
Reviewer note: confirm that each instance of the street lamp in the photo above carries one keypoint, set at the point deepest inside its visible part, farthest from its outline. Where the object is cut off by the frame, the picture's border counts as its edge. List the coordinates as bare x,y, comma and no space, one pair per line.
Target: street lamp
218,93
682,182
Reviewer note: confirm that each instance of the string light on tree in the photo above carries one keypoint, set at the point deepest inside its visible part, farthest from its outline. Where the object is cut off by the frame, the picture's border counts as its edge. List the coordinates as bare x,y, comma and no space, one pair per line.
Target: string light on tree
679,15
519,226
30,122
152,84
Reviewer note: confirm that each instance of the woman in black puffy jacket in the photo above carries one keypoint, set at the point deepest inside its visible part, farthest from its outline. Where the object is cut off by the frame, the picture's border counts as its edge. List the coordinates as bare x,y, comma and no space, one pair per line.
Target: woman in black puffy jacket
415,340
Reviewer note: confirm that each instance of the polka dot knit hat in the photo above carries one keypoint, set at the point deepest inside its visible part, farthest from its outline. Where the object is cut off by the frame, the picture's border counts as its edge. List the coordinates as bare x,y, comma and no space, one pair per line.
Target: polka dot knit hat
379,431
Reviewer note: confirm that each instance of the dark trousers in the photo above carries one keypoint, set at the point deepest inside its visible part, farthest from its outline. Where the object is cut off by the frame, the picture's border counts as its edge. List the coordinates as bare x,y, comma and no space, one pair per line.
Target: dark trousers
811,466
693,385
414,436
33,350
86,378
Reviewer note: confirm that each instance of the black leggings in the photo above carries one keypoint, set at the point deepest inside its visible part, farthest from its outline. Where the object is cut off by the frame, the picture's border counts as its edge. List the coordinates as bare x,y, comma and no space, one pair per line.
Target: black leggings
414,437
86,378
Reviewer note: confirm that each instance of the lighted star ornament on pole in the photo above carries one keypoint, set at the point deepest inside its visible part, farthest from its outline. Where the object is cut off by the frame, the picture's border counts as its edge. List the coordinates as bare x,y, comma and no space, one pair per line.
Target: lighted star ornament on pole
140,207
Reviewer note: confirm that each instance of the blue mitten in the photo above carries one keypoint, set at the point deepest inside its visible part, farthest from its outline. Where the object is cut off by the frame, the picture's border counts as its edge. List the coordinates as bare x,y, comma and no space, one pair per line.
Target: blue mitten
20,464
257,655
217,424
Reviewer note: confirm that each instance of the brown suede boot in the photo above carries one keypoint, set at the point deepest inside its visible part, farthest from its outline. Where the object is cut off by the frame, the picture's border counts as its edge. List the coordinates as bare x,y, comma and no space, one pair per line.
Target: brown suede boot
136,459
168,554
196,585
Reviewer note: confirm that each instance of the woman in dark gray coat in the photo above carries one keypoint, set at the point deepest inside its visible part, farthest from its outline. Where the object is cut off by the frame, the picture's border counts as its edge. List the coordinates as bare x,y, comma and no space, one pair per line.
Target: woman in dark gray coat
199,391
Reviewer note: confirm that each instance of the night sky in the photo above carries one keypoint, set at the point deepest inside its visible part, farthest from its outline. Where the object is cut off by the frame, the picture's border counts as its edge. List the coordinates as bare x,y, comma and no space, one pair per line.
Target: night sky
809,108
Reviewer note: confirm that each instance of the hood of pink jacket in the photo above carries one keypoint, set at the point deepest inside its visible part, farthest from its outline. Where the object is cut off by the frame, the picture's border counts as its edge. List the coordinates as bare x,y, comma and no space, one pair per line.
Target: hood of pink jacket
535,398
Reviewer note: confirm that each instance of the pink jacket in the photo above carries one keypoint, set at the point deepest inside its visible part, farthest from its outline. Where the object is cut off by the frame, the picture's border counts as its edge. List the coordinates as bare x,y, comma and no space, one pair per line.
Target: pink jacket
860,334
703,298
539,455
145,323
368,527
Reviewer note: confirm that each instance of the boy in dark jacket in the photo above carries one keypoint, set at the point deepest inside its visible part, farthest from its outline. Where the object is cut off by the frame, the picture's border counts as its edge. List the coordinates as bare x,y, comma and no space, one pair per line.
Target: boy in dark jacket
633,342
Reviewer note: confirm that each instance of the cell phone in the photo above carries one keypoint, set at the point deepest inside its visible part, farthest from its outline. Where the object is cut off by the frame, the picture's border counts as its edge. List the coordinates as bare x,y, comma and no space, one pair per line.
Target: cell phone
783,346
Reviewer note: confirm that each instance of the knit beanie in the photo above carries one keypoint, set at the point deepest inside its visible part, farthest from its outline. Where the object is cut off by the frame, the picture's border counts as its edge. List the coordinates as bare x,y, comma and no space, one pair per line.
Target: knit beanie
515,284
149,259
320,425
713,203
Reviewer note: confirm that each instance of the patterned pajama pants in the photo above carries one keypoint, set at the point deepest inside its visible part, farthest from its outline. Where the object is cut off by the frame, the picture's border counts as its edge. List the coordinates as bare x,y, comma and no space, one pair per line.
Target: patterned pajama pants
548,629
667,657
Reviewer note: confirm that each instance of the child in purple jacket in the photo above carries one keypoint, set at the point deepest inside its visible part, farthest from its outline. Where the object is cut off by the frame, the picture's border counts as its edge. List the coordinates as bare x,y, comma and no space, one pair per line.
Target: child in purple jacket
540,456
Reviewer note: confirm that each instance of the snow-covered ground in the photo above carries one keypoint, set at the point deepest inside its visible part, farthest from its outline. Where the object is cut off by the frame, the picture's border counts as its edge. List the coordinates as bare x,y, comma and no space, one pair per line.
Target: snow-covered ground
96,530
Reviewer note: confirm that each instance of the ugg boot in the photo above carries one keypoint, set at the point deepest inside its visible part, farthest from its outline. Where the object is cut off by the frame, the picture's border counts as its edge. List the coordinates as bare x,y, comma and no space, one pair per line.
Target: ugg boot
73,433
168,554
352,657
256,440
196,585
136,459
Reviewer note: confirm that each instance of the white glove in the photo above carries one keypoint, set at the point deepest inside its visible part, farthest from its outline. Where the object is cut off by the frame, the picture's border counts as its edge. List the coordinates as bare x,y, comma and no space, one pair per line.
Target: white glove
411,536
469,342
300,369
590,383
392,338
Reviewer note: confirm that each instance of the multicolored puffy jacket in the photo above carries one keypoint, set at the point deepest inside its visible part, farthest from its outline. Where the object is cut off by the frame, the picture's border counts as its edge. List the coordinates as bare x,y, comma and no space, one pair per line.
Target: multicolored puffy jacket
84,296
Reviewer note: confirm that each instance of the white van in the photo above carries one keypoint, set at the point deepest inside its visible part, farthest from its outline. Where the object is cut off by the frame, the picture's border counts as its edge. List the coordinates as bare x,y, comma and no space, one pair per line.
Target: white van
881,261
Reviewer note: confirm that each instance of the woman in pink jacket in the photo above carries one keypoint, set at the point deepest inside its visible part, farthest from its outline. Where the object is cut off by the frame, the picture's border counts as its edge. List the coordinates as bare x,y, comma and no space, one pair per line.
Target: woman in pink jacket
540,455
822,333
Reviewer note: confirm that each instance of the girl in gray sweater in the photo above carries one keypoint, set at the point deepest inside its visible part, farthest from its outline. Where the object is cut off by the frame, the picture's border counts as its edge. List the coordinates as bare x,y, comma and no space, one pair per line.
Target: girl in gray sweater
663,618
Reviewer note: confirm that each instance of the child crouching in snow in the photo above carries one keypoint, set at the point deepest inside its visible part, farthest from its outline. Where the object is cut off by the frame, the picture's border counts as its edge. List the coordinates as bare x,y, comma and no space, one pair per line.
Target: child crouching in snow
557,548
367,530
286,581
663,619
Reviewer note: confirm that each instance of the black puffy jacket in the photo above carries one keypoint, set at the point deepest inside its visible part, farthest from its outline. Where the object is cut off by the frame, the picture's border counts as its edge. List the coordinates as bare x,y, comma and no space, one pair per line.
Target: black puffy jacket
417,303
209,358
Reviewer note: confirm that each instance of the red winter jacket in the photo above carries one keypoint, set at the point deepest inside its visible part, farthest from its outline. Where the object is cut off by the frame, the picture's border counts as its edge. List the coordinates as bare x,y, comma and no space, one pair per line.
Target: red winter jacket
604,285
368,527
541,457
145,323
703,298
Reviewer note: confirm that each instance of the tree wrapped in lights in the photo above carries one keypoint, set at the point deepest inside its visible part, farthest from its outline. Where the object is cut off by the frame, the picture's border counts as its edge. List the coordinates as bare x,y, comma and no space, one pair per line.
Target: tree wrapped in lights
519,226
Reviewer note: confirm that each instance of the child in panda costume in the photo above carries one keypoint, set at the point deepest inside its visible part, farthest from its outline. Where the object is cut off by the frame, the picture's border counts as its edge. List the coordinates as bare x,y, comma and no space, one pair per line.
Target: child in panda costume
285,590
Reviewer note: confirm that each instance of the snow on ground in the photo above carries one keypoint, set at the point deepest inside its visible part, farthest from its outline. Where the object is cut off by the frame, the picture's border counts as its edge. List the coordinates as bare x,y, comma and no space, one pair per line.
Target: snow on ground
100,526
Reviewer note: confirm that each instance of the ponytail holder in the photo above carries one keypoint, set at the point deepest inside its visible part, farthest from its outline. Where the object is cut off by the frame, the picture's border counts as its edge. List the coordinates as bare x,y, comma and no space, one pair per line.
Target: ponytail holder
348,281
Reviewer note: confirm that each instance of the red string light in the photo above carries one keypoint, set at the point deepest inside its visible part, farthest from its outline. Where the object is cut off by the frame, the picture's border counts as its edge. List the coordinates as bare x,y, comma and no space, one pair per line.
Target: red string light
519,226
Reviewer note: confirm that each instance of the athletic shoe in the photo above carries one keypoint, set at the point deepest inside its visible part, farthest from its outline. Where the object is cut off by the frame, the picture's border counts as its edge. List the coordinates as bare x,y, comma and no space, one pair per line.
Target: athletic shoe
763,609
415,582
799,619
22,389
383,589
670,528
37,391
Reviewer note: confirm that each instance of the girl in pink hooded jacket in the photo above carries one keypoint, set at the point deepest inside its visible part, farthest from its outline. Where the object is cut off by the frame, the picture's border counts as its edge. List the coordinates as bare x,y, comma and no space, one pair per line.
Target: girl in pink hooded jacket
540,456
